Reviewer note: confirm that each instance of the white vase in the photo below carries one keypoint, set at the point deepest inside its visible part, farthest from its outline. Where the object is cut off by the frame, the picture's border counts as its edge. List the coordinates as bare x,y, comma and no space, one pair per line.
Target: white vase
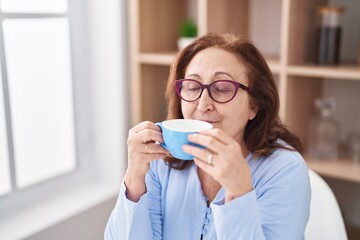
183,42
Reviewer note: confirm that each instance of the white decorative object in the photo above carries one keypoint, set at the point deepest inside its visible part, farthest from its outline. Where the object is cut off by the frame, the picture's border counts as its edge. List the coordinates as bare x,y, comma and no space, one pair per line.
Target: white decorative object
183,42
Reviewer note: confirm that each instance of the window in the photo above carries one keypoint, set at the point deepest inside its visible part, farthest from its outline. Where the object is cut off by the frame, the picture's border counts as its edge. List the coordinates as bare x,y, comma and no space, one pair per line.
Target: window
38,92
63,109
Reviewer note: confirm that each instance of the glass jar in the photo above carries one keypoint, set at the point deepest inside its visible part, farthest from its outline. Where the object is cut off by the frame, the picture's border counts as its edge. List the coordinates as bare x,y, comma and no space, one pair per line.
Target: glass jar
328,34
324,131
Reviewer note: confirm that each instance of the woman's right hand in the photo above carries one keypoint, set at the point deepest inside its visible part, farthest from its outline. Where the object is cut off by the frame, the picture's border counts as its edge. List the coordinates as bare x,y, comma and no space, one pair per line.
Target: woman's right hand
142,149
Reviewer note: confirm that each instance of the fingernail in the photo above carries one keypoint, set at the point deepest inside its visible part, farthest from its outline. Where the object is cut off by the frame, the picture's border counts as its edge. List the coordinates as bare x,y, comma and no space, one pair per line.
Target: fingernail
191,136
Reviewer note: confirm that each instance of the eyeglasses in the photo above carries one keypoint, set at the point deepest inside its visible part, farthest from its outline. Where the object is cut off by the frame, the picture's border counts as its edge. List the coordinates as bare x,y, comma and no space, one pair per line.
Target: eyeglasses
221,91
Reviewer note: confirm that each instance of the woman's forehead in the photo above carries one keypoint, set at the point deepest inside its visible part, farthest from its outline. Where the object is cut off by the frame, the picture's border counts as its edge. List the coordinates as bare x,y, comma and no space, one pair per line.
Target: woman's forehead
216,62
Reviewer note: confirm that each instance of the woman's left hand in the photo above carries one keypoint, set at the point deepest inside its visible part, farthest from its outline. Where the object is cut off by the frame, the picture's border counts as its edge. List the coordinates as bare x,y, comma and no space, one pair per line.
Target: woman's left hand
223,160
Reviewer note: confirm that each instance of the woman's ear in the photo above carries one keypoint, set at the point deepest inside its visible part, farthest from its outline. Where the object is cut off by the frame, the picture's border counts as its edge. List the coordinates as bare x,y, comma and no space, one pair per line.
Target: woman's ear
253,113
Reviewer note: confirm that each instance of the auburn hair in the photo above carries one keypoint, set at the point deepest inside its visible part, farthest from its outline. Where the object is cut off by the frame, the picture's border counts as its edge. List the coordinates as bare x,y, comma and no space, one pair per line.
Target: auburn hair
262,132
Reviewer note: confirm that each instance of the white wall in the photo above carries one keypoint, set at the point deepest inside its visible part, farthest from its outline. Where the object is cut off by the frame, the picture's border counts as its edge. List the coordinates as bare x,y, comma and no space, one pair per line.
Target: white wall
87,225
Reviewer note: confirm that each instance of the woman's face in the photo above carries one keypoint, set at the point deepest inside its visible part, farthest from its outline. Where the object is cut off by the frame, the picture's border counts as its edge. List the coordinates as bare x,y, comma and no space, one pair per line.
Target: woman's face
213,64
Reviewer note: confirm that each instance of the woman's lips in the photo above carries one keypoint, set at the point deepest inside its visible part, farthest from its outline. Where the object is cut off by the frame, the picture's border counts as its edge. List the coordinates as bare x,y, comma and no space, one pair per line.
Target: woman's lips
209,121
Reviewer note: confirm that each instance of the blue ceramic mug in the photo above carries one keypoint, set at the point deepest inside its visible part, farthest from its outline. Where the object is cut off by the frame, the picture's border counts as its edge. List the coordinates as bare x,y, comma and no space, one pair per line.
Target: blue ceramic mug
175,133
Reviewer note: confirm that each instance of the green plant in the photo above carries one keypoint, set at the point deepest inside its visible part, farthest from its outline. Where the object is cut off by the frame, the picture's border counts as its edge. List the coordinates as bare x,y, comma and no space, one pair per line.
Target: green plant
188,28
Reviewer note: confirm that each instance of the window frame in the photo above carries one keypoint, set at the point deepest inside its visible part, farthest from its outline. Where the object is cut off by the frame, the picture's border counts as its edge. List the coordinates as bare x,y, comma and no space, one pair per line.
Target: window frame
16,194
98,52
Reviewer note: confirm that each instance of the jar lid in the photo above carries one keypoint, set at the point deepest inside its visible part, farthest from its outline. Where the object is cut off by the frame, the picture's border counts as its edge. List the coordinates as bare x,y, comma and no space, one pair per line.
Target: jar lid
330,9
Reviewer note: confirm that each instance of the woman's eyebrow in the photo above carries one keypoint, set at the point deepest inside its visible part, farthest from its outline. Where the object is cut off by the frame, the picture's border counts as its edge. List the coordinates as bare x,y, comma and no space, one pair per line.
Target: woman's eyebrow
193,75
223,73
215,74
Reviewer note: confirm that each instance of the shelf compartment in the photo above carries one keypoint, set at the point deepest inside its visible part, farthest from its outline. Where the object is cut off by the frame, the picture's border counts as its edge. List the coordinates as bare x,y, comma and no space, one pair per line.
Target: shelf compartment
153,86
231,16
337,72
248,18
160,23
343,169
265,25
301,30
299,104
303,43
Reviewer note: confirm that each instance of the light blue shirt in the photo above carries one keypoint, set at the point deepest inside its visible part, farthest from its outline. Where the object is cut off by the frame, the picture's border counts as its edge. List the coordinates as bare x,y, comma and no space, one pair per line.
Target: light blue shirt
174,206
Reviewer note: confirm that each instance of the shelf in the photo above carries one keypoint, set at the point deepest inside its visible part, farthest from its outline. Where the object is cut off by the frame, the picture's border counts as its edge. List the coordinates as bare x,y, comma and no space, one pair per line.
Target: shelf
338,72
166,58
274,65
350,72
343,169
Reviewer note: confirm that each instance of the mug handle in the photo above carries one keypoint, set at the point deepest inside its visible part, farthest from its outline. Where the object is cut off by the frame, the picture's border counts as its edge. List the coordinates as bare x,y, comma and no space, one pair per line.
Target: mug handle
159,124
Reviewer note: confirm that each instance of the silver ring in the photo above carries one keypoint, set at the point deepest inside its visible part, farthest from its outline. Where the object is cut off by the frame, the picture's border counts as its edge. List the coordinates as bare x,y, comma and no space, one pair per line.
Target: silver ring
210,159
146,148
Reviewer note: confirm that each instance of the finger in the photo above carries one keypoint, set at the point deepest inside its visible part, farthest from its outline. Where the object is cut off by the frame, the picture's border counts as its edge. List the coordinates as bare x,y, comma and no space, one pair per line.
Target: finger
147,152
154,151
204,166
144,125
218,134
148,135
208,141
155,148
199,153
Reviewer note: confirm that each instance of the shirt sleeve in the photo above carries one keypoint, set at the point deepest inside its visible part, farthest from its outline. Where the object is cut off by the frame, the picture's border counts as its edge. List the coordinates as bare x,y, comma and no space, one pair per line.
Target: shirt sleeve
279,209
137,220
124,221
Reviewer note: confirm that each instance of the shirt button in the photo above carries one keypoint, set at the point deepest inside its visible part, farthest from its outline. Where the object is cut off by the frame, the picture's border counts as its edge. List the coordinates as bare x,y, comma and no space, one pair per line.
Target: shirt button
208,210
203,232
207,221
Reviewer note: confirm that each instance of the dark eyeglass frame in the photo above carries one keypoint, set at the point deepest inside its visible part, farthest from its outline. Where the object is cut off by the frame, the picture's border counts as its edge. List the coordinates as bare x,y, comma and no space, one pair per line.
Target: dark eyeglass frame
208,87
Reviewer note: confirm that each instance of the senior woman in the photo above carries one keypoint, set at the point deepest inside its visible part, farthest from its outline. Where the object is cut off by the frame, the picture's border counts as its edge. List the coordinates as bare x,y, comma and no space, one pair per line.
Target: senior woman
250,182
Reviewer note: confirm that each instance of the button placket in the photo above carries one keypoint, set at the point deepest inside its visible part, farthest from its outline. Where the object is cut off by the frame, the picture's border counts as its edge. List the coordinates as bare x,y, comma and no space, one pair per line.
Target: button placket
208,211
206,221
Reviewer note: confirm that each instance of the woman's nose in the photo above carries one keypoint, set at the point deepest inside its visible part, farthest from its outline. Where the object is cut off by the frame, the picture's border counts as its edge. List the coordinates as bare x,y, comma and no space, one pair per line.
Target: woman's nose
205,102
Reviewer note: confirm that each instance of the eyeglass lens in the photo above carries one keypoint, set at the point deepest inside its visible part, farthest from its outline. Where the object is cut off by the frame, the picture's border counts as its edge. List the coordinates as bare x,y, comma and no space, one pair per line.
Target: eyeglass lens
220,91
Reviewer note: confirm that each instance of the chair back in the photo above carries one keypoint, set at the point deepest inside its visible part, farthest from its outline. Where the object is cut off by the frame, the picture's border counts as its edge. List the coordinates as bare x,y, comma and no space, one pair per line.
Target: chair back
325,221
